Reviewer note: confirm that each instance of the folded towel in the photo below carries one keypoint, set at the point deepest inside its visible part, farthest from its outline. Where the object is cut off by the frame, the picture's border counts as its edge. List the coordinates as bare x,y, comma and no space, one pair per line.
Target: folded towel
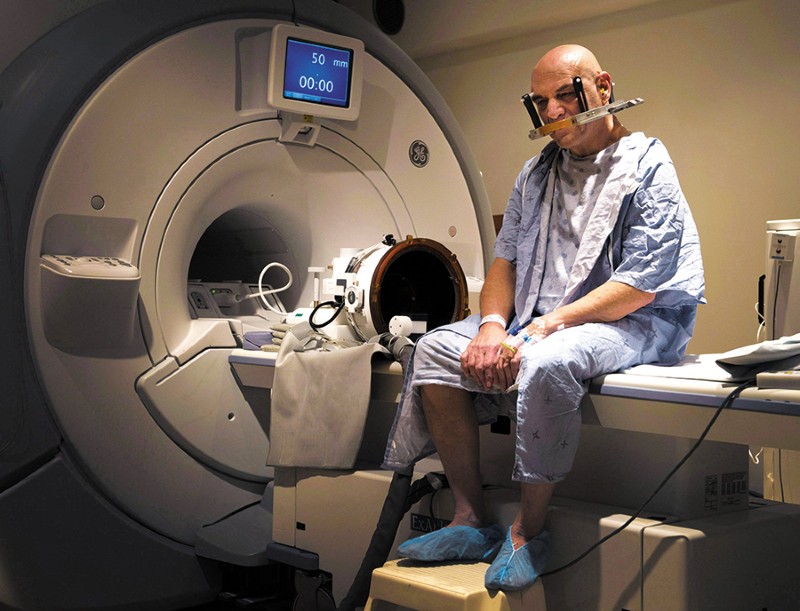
319,404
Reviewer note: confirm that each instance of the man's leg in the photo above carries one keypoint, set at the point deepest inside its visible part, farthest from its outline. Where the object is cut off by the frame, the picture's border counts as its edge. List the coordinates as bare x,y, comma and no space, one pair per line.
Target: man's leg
526,549
532,512
548,430
453,425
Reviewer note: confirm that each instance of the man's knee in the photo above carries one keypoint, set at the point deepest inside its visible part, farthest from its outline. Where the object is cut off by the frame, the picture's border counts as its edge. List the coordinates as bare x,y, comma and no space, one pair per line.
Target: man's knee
559,358
441,349
546,364
425,347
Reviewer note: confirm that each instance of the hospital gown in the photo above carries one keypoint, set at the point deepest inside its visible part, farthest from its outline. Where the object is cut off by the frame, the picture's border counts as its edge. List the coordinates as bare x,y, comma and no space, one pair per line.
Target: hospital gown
639,232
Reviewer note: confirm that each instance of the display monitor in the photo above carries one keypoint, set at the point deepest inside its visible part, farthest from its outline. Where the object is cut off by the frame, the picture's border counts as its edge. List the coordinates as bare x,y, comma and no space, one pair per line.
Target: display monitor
314,72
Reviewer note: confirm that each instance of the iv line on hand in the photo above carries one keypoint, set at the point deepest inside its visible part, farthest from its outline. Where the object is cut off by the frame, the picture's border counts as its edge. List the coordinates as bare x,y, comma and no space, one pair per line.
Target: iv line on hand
518,337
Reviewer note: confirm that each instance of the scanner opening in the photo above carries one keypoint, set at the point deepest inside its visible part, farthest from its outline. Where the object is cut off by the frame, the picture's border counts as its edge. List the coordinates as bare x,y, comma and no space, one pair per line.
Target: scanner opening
230,256
421,279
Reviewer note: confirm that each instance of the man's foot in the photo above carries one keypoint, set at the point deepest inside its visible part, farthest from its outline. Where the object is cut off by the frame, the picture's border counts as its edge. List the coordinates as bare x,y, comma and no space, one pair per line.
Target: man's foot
454,543
517,569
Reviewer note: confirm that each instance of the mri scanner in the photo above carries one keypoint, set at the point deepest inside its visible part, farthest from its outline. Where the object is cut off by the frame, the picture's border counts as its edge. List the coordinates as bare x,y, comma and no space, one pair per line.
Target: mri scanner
150,171
145,173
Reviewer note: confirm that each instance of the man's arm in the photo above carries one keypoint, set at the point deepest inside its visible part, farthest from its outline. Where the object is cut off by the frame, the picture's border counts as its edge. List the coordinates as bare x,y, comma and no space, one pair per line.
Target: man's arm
497,297
497,294
608,302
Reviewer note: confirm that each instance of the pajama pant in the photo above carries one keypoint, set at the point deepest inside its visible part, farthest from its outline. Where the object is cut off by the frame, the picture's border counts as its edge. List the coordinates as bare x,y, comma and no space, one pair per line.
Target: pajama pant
552,380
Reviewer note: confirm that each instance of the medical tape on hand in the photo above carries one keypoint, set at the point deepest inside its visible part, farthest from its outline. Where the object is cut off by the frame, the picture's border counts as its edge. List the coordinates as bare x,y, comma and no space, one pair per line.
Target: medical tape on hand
513,342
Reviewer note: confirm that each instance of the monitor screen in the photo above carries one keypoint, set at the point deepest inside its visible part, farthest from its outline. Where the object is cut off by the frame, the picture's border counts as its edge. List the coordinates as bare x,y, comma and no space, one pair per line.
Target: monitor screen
315,72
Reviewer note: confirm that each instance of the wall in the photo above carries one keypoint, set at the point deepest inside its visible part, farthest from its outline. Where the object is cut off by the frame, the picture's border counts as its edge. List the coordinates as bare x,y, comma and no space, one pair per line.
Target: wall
721,83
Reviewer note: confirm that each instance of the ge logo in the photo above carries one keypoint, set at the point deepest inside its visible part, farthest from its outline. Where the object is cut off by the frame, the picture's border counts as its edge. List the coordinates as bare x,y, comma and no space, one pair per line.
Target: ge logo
418,153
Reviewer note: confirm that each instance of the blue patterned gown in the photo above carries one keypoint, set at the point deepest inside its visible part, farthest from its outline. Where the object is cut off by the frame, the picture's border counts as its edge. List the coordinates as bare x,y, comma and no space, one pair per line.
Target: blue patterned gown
572,224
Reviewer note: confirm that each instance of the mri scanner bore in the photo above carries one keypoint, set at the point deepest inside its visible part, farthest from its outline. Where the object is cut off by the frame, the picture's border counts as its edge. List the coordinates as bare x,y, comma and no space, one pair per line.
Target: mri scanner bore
416,278
155,159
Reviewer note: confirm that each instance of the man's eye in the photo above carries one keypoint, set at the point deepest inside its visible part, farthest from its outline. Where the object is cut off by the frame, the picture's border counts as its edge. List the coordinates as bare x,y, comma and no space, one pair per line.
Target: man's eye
567,96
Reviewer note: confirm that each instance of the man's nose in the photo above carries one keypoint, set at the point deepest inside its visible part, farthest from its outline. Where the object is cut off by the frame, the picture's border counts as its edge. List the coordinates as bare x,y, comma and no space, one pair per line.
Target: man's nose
555,110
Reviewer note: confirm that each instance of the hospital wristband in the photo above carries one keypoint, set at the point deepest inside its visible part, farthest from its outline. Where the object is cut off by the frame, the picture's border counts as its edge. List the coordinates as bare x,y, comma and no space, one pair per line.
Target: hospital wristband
493,318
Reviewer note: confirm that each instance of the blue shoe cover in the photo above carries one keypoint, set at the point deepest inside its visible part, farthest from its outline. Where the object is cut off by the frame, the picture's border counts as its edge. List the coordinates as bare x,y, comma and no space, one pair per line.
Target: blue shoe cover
517,569
454,543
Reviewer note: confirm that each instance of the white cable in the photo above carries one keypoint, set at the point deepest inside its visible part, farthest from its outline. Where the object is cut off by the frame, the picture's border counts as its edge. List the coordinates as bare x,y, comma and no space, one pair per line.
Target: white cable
262,293
757,457
761,325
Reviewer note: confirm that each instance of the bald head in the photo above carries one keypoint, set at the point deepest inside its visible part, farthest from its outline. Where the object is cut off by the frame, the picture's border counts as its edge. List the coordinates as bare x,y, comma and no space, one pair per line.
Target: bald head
567,60
553,93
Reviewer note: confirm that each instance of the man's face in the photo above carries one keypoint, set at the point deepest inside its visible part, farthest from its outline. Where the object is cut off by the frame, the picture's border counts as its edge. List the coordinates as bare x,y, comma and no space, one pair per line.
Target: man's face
555,99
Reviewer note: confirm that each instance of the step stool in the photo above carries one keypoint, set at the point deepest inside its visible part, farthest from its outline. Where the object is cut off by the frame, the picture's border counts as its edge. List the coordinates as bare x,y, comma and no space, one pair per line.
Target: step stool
451,586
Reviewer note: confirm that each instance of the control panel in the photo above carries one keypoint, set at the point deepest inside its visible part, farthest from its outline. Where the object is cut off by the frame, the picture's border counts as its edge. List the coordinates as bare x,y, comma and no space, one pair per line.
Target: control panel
90,266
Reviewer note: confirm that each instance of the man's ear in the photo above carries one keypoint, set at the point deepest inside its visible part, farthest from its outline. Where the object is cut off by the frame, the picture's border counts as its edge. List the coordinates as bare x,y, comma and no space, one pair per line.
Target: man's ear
605,87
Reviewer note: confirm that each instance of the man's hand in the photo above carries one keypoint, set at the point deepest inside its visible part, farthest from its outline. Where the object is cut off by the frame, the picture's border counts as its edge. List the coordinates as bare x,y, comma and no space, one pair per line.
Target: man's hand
482,359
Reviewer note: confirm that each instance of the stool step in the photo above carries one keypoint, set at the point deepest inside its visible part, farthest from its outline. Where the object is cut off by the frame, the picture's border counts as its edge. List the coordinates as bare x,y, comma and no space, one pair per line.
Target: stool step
450,586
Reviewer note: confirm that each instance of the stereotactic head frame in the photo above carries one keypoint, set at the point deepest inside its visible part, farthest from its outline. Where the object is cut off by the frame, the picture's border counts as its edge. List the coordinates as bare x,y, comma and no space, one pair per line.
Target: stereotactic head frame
584,117
577,85
580,94
531,108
